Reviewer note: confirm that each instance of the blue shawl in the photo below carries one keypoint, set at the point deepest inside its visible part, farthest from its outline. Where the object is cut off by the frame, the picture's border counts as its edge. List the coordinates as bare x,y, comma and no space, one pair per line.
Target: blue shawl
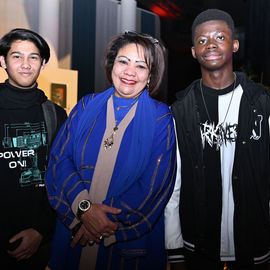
63,256
141,140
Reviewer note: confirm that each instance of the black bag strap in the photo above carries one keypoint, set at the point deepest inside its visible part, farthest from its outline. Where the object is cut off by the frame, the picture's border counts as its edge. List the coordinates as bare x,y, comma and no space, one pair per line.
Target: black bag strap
50,119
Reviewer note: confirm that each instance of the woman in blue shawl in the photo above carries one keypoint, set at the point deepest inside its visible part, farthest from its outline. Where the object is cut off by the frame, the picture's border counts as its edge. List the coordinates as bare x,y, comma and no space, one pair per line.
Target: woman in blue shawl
112,167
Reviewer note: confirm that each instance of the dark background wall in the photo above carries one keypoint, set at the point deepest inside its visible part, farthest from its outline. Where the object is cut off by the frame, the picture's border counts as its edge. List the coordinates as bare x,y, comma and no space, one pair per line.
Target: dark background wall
252,23
83,44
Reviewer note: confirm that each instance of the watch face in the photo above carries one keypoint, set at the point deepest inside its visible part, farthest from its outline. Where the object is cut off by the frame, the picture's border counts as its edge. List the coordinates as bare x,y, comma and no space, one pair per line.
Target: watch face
84,205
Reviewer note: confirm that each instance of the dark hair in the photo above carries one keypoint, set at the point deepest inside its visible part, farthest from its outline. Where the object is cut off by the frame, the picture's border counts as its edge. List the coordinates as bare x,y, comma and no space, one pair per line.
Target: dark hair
154,53
212,15
24,34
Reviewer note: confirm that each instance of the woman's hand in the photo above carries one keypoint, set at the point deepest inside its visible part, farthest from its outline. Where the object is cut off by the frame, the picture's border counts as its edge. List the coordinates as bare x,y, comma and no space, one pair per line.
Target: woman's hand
96,221
84,236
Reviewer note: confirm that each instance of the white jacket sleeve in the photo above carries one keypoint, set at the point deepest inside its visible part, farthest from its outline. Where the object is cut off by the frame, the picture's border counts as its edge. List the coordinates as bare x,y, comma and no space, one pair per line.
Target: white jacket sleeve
173,235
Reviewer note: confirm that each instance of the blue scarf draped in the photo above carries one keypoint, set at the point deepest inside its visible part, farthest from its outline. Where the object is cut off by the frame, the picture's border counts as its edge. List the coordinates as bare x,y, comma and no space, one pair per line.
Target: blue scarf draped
140,141
63,256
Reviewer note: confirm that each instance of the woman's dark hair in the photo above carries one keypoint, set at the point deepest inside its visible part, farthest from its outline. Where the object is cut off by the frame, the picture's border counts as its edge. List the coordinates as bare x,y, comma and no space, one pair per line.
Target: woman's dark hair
24,34
154,53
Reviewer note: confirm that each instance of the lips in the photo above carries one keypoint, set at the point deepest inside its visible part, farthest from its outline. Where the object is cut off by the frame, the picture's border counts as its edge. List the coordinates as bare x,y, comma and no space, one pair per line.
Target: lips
26,74
212,56
127,82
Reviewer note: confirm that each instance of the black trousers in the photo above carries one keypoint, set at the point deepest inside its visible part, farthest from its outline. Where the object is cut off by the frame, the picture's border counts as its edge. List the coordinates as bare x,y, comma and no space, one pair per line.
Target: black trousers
196,261
37,262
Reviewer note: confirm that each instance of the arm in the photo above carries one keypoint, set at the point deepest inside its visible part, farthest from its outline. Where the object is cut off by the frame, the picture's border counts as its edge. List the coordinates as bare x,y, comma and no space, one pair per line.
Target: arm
173,235
65,184
62,176
143,203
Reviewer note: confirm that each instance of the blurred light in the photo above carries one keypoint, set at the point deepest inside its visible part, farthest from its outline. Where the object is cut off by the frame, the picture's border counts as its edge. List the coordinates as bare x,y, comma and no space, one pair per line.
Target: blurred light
169,10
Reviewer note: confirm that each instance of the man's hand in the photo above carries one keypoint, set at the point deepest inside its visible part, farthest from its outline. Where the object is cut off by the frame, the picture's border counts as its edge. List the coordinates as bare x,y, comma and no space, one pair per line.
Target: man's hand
96,221
31,240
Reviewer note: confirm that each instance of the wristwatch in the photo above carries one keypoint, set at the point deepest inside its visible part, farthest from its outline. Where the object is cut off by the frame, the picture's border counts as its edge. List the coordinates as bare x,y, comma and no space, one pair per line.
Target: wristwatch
84,206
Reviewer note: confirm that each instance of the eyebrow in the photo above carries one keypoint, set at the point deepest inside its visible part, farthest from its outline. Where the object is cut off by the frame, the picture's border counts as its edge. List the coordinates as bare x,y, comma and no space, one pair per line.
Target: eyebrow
137,61
18,52
216,32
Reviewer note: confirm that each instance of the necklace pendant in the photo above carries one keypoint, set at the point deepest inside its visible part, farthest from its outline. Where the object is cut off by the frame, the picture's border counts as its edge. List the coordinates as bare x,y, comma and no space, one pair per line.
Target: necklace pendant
118,108
108,143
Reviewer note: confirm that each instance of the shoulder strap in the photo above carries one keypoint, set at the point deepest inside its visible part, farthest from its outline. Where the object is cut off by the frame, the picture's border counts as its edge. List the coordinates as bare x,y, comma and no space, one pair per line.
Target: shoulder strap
50,119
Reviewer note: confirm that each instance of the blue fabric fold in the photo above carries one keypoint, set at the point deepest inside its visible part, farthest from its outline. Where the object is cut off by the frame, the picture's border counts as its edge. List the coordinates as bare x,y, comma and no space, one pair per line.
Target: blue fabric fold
141,140
64,257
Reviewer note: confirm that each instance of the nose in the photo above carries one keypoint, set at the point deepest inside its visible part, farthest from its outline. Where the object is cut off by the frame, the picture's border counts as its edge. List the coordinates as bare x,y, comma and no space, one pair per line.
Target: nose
130,71
26,63
211,44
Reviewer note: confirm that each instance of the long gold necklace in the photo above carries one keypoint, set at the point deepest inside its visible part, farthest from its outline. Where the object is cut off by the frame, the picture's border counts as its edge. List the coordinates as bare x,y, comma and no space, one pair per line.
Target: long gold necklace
108,143
124,106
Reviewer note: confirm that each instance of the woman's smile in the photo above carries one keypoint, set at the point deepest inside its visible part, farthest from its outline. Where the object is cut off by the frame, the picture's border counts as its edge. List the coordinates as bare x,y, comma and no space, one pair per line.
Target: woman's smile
130,73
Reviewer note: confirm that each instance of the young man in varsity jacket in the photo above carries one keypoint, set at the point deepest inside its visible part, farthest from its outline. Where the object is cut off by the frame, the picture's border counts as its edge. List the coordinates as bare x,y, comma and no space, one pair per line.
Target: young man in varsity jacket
28,124
219,211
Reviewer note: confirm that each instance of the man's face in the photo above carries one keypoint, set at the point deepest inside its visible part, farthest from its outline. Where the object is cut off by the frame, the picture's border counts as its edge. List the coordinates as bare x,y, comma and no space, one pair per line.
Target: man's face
23,64
213,45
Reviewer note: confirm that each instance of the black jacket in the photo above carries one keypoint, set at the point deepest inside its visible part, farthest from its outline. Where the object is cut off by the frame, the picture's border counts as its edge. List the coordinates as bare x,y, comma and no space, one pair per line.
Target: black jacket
250,179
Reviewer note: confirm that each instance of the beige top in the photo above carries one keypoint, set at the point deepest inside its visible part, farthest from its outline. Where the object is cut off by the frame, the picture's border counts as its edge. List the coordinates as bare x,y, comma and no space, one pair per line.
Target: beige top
102,175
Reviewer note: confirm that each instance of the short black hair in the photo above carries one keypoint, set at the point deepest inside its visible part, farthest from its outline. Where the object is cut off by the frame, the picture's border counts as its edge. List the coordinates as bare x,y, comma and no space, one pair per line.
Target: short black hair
212,15
24,34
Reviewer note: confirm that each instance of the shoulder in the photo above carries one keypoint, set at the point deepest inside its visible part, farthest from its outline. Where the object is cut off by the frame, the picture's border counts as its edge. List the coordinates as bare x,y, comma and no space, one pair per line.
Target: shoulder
82,104
253,90
162,109
185,96
58,109
53,112
2,85
182,95
87,98
60,112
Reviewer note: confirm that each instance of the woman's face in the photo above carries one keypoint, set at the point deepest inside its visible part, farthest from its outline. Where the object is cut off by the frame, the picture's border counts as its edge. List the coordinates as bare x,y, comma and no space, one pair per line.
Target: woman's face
130,73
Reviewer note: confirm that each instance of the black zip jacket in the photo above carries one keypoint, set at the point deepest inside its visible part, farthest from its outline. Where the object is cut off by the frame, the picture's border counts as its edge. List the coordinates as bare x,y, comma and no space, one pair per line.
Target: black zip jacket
250,179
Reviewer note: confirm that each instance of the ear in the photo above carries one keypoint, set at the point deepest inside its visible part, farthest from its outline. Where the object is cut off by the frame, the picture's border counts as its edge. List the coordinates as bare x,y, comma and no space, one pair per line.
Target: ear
235,45
3,62
43,64
193,52
149,79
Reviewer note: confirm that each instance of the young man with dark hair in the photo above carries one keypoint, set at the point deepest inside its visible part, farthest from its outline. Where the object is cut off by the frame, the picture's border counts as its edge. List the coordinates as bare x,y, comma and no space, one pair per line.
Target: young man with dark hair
28,124
219,211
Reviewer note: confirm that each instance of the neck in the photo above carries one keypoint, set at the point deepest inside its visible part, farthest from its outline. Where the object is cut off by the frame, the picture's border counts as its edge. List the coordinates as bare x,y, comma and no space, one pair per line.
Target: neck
29,89
218,80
